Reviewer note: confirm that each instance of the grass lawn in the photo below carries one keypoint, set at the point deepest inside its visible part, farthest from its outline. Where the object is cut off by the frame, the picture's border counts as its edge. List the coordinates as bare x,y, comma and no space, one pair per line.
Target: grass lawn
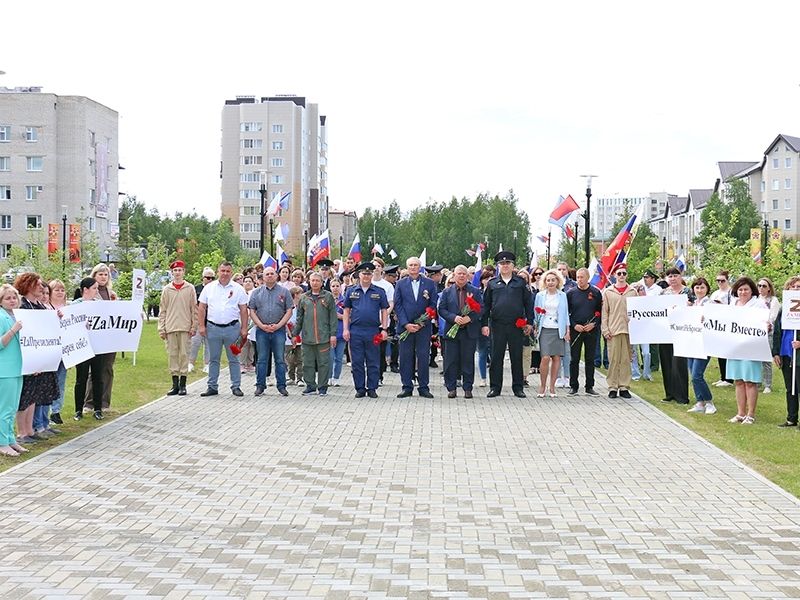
763,446
134,386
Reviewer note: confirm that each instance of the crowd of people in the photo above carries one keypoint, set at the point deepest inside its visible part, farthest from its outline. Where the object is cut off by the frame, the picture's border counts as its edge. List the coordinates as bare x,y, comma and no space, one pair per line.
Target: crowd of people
296,327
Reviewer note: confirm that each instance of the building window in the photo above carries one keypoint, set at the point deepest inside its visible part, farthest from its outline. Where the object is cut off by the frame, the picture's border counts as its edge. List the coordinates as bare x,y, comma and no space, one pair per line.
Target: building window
250,177
5,133
788,164
277,162
91,139
277,179
5,192
34,163
5,221
774,204
249,211
787,224
775,223
763,186
31,134
787,184
5,250
277,129
92,224
249,227
774,163
763,206
251,126
249,194
776,185
251,244
787,204
92,197
777,149
32,192
33,221
277,145
5,163
252,160
93,168
249,143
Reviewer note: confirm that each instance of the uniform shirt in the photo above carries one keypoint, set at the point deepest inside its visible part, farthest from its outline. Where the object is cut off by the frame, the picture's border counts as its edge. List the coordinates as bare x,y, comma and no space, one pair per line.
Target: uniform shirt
271,304
223,301
365,305
507,302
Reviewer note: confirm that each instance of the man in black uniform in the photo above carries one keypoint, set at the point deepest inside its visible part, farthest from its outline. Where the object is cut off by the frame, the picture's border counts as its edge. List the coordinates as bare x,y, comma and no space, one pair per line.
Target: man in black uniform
507,299
434,272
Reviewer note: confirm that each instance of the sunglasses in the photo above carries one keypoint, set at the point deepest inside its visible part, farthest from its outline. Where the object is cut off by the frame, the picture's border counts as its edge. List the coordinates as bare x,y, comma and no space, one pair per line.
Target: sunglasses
721,280
207,277
622,272
764,285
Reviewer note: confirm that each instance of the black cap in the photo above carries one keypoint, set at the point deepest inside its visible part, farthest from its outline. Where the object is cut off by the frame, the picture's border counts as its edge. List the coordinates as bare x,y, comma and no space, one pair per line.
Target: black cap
434,268
391,270
505,255
324,262
366,267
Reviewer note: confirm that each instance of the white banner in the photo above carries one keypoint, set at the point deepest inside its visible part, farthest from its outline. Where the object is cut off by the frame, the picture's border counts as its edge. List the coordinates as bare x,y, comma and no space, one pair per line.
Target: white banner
790,310
39,340
736,332
139,286
115,326
75,345
687,328
648,318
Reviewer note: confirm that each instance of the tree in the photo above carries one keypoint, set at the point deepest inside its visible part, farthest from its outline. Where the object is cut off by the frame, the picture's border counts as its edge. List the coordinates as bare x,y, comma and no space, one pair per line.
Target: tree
731,220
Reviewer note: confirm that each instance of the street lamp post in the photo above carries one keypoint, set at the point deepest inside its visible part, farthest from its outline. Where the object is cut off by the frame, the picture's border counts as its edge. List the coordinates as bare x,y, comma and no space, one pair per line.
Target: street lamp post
586,215
64,239
305,250
486,243
577,237
764,241
271,236
263,225
515,242
341,244
664,252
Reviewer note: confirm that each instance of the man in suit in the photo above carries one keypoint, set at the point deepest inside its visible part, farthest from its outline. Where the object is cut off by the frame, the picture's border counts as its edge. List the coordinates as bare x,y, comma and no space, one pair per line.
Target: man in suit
459,351
413,296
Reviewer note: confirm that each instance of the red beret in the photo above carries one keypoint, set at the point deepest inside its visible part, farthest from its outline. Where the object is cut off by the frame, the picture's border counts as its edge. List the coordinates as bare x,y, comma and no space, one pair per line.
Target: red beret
178,263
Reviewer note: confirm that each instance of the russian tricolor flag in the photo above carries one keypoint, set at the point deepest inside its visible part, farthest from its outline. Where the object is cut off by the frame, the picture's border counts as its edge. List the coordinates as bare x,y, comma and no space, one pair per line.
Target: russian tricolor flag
268,261
319,247
355,249
619,247
564,208
279,202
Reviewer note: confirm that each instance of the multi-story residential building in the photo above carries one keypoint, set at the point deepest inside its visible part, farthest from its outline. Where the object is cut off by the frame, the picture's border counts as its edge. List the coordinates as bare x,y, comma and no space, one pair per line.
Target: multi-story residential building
344,226
606,210
58,156
679,223
278,142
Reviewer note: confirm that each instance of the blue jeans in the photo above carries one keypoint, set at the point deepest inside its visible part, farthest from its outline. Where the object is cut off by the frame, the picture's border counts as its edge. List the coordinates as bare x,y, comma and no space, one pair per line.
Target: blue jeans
635,372
271,344
337,358
484,346
41,419
697,366
218,337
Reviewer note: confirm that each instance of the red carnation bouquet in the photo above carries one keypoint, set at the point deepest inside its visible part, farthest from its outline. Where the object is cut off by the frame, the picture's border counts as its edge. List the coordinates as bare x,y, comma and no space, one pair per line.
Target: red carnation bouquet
470,305
236,347
580,333
378,339
429,313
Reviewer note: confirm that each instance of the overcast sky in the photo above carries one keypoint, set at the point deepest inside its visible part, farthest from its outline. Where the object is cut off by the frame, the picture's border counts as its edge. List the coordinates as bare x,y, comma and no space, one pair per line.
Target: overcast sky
429,100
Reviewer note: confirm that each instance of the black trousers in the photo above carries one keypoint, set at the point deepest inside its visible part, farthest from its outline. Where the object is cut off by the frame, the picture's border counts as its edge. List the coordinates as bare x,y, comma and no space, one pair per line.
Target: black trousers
586,341
459,361
506,334
82,379
791,399
675,370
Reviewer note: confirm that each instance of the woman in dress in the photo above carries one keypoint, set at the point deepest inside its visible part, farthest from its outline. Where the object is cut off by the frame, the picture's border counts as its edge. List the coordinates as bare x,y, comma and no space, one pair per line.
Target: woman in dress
697,366
87,292
785,343
550,327
746,374
766,293
10,370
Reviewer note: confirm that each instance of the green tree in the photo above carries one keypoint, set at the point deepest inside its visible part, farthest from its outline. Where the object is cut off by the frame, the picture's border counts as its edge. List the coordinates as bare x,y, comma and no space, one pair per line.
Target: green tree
731,220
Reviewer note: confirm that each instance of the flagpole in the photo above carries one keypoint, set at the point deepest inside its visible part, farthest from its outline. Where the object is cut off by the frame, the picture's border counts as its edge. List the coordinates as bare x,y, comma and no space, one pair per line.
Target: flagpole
549,235
577,237
587,215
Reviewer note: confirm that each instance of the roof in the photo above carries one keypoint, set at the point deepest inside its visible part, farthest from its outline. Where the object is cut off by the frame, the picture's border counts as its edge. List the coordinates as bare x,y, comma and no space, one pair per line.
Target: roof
791,141
730,169
699,198
677,205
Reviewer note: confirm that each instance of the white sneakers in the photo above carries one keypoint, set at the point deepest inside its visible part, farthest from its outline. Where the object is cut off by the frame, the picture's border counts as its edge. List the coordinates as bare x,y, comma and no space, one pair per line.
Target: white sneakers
710,408
767,390
205,368
482,383
191,367
722,383
698,408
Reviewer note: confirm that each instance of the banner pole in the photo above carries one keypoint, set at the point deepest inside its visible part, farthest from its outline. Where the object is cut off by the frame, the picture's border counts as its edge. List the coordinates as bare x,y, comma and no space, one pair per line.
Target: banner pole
794,364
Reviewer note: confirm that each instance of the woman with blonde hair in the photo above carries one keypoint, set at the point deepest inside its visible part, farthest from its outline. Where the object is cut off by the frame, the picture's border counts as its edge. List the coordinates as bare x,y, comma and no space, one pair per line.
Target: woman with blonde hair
551,327
102,275
10,370
766,293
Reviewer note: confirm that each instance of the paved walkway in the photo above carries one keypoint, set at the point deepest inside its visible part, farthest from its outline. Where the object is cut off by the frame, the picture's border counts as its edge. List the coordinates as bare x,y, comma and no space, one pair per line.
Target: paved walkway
338,498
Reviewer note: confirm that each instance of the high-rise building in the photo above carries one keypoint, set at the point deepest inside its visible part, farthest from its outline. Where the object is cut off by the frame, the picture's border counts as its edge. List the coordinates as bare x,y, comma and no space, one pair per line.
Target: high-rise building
277,142
58,156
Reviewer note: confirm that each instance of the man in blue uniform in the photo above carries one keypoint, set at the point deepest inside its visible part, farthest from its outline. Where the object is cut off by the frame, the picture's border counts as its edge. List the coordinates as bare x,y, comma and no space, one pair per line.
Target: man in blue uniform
414,295
365,315
507,299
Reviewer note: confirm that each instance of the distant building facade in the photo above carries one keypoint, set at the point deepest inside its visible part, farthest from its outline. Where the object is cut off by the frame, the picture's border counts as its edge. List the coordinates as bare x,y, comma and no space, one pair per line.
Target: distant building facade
280,142
58,155
344,226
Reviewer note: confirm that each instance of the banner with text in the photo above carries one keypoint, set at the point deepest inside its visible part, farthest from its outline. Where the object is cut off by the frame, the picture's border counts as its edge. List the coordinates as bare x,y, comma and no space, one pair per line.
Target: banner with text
114,326
737,332
39,340
75,345
790,310
686,323
139,286
648,318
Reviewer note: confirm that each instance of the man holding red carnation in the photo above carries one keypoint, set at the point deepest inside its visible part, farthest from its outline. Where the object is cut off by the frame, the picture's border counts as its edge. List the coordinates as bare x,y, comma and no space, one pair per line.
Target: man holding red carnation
415,299
461,307
585,304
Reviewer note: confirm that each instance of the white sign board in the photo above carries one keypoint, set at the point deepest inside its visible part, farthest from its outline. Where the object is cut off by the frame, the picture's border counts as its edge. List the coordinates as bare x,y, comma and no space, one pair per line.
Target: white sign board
114,326
75,345
736,332
790,310
39,340
648,318
687,328
139,286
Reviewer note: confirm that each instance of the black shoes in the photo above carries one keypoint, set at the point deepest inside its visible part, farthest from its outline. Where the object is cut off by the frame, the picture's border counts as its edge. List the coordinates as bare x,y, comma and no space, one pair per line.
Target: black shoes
78,416
175,389
209,392
395,369
237,392
404,394
259,390
612,394
182,385
573,392
591,392
624,394
98,415
56,418
426,394
282,391
786,424
360,394
519,394
493,393
372,393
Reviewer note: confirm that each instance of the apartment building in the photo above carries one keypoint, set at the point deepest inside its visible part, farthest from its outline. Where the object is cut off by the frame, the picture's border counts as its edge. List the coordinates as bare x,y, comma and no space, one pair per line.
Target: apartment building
606,210
58,156
271,146
344,226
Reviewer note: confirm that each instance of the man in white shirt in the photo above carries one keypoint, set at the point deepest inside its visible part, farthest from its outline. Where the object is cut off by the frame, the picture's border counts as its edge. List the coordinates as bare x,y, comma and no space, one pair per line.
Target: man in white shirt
388,288
222,314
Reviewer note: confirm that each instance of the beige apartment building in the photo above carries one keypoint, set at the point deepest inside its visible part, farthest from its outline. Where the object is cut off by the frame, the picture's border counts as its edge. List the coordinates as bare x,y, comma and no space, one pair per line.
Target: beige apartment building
273,145
58,156
344,226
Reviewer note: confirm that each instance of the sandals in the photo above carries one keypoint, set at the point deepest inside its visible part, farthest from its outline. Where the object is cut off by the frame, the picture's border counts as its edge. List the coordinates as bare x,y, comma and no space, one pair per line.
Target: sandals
736,419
